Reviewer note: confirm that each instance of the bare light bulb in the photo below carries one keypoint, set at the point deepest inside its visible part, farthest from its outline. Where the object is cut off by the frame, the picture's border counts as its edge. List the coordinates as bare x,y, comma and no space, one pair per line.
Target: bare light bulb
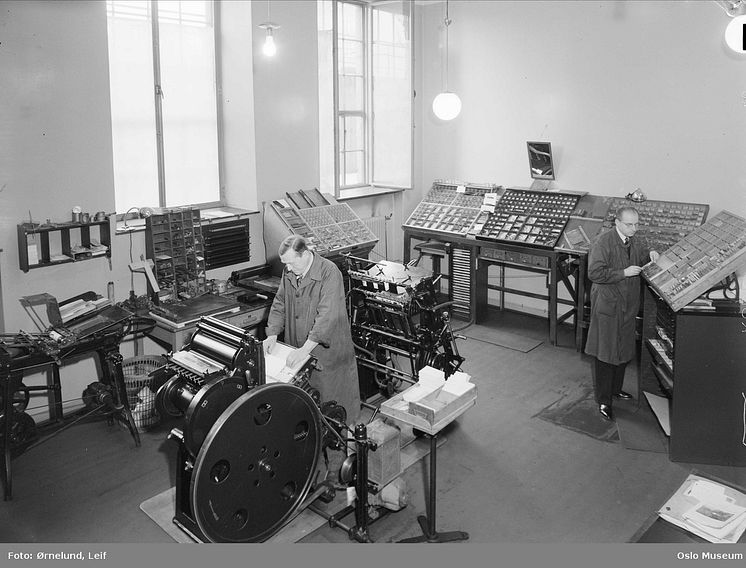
269,48
447,106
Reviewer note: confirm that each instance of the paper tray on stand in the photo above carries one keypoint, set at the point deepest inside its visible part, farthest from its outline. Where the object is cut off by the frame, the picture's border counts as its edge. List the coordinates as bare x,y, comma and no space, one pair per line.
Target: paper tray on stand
440,415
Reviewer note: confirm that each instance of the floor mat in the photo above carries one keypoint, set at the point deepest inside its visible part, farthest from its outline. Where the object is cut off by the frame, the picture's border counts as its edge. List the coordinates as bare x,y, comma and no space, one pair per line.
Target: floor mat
581,415
639,429
501,338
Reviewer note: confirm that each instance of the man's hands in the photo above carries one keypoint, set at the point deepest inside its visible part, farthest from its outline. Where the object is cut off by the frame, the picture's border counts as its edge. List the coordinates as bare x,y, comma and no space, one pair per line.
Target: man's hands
296,357
632,271
301,353
269,343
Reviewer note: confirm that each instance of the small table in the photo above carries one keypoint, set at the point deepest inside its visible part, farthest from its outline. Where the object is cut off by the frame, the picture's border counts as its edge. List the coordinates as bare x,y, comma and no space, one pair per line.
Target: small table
393,409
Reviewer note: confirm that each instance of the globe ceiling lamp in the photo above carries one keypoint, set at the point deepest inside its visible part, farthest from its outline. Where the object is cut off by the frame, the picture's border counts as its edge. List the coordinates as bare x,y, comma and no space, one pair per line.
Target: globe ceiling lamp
735,31
446,105
735,34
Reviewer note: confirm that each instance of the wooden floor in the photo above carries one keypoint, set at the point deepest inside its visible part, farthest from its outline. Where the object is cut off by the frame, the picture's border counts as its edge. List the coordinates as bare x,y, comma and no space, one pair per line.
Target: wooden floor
504,475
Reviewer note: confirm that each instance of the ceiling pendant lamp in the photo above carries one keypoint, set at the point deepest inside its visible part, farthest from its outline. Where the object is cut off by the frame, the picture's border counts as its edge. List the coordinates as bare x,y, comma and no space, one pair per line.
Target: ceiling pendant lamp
735,31
446,105
269,48
735,34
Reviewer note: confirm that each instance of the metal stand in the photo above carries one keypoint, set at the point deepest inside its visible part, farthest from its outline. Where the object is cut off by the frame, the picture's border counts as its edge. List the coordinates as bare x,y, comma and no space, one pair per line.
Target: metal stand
427,523
359,532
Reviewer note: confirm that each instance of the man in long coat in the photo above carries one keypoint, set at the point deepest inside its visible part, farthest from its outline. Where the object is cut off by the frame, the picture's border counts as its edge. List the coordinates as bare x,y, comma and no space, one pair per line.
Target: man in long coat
310,308
614,265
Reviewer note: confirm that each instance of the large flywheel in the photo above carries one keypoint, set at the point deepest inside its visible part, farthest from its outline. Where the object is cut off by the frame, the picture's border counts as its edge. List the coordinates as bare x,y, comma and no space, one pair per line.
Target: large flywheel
256,465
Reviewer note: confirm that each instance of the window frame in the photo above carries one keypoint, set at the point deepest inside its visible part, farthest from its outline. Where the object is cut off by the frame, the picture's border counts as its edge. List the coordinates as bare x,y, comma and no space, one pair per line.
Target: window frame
368,187
151,12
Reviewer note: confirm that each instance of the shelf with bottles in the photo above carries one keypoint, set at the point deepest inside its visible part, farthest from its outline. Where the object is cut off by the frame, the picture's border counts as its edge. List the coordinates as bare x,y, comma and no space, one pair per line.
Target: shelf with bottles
49,244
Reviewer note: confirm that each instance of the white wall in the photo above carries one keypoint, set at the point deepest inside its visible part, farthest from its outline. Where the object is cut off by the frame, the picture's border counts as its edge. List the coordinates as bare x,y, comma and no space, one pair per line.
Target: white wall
56,135
55,147
286,105
630,94
237,105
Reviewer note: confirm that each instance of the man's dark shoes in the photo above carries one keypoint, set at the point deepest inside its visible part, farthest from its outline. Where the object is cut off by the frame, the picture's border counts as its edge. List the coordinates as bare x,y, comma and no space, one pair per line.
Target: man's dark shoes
623,395
605,411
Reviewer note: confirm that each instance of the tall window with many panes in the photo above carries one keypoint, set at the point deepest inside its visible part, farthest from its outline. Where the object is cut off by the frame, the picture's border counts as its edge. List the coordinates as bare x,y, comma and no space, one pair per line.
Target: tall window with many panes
164,110
365,95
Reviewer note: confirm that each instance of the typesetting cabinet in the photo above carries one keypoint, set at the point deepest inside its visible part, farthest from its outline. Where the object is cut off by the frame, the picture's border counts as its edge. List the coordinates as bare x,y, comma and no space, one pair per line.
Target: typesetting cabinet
173,240
697,359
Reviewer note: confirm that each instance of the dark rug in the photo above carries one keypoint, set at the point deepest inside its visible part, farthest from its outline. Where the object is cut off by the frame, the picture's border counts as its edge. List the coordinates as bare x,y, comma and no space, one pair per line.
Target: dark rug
581,415
639,429
501,338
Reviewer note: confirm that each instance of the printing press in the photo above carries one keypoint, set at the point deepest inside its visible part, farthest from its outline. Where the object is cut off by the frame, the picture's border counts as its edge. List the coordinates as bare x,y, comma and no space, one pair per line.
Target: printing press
98,332
398,326
251,445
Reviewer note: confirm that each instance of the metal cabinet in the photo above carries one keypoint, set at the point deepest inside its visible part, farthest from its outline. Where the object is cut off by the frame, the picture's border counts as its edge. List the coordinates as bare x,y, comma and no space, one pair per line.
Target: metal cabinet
697,359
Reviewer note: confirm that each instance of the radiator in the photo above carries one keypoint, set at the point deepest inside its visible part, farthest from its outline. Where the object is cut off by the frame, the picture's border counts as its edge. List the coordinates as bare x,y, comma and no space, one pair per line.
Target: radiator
377,225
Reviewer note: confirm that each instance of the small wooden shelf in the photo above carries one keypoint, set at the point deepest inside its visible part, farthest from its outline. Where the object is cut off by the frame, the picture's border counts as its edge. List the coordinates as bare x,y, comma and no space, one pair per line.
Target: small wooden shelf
68,243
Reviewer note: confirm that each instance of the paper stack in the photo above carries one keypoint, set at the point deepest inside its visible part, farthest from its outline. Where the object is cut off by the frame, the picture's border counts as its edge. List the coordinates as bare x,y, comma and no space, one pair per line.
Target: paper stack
78,308
458,383
446,396
275,365
708,509
429,381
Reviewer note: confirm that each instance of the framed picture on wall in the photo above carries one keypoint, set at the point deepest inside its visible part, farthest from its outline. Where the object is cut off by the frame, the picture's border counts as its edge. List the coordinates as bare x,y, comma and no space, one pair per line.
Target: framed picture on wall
540,160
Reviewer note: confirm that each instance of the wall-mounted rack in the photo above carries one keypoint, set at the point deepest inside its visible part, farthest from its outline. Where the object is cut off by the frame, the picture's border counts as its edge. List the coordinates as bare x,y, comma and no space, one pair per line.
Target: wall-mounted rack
49,244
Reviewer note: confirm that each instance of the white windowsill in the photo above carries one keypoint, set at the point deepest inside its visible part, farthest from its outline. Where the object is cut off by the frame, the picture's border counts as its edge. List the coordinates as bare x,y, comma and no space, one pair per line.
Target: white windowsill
207,216
367,191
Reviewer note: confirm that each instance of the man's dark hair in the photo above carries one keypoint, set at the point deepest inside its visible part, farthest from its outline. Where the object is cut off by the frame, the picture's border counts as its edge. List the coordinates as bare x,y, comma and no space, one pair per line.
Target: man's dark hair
621,210
295,242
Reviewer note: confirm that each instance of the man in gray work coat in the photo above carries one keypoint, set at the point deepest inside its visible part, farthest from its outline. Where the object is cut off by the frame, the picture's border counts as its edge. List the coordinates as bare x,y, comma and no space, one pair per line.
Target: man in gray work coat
310,308
614,265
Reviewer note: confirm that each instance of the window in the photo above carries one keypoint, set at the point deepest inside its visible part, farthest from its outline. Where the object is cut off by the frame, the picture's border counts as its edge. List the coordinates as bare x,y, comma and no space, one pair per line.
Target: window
365,94
163,103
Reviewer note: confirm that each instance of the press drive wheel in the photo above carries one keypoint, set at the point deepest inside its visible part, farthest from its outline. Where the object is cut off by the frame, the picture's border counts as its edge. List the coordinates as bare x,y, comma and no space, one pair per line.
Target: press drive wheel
207,406
19,399
256,465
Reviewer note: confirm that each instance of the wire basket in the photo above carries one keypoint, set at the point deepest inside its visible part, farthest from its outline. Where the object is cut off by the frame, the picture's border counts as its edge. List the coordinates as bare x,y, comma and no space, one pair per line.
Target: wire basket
139,387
